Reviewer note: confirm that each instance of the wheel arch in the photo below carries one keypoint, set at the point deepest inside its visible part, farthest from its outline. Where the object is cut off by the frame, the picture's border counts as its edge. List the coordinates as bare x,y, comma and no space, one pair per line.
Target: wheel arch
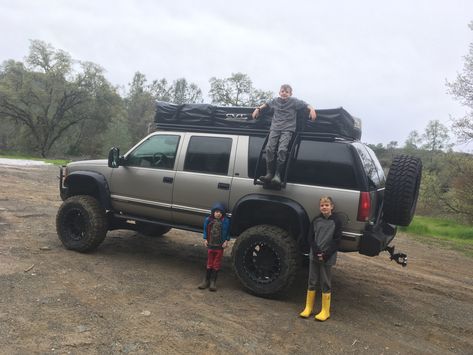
254,209
89,183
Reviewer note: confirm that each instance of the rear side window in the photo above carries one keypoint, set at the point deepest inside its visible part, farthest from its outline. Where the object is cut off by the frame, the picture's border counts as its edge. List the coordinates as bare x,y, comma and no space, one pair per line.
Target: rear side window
379,168
317,163
371,165
324,164
208,155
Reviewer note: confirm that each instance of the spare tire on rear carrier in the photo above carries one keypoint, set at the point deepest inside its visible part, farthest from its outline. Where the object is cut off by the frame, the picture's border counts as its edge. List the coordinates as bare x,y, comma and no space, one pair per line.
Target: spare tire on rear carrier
402,190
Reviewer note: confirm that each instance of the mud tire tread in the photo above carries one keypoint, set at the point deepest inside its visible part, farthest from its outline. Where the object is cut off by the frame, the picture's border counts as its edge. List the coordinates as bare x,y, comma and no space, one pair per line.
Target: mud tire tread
279,240
95,226
402,190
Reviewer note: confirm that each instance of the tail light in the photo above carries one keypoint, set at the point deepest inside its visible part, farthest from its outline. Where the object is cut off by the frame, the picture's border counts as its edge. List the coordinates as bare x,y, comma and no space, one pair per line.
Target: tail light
364,207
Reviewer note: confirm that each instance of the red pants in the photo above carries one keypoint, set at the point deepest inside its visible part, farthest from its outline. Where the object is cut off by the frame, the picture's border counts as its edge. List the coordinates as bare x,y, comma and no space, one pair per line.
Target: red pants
214,258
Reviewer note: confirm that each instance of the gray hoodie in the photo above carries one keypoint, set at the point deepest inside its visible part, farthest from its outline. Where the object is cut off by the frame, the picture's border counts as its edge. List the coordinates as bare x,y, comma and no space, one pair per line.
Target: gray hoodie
324,236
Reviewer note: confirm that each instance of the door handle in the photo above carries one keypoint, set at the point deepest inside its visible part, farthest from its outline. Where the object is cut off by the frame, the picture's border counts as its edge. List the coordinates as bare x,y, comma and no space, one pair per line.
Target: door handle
223,186
168,180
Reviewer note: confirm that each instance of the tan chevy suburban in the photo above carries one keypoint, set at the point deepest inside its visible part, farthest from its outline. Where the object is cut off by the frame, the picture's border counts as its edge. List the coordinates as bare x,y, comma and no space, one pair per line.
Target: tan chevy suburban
172,177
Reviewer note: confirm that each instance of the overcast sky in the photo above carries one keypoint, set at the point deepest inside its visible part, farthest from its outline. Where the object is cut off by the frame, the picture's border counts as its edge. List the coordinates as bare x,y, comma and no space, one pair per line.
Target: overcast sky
385,62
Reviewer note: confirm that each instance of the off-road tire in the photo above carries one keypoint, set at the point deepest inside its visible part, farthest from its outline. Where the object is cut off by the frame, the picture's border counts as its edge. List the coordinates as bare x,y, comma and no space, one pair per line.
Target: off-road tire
152,230
402,190
81,223
265,260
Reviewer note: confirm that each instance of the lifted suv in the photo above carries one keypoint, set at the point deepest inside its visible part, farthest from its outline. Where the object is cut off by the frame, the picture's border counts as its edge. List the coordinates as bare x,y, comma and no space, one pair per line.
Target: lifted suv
172,177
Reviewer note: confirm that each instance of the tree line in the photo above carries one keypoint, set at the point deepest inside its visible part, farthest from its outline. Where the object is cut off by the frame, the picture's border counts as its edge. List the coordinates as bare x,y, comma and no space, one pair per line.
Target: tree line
447,182
446,188
54,105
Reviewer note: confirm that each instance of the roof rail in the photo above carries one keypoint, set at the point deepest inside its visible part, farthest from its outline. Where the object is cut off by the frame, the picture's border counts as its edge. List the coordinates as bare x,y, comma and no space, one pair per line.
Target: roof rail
245,131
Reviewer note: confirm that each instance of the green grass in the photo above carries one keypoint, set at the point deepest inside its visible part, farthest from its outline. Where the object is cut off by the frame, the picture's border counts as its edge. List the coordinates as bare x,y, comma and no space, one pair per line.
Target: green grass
51,161
447,232
440,228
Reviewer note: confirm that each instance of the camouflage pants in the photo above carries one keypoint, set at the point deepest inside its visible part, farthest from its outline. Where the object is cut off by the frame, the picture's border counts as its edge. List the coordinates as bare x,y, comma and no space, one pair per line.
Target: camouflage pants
280,141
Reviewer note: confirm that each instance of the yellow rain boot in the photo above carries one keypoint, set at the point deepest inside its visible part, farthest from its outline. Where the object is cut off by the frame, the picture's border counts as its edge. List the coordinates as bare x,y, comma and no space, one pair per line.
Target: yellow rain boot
325,312
309,304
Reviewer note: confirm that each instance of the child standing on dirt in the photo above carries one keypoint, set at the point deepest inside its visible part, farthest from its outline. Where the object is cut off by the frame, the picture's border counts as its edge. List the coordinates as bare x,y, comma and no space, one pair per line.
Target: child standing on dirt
283,125
216,237
324,236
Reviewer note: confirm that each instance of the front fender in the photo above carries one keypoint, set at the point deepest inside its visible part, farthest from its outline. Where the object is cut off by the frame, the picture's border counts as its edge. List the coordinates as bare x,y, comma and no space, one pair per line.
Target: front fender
89,183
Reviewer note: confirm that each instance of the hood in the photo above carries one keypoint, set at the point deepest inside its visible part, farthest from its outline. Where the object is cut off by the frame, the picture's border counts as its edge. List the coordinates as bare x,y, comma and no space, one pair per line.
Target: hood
218,206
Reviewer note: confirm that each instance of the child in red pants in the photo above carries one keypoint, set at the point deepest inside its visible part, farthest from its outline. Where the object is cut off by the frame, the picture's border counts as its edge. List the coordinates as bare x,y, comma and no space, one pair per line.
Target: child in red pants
216,228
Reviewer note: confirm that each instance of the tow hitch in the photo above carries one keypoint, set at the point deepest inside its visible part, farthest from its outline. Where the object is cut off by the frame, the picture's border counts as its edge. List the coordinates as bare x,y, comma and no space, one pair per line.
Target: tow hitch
399,258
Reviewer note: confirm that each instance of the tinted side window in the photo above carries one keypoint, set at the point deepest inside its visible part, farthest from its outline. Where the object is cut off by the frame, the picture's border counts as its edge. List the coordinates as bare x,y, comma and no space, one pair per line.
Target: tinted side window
324,164
379,168
158,152
316,163
256,143
208,155
371,166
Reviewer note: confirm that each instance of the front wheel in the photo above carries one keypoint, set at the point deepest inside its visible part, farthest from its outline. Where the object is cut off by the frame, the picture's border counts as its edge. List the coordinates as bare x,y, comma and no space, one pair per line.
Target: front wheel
81,223
265,260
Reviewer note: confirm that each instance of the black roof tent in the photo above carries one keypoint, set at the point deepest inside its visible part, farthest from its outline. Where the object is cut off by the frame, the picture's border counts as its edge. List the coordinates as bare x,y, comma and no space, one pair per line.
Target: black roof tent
221,119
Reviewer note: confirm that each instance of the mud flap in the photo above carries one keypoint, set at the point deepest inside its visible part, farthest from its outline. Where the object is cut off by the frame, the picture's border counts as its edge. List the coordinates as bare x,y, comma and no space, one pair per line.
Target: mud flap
377,239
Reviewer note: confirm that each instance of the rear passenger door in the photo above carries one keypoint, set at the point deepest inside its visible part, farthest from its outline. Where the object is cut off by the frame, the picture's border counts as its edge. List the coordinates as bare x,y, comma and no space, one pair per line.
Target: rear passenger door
203,177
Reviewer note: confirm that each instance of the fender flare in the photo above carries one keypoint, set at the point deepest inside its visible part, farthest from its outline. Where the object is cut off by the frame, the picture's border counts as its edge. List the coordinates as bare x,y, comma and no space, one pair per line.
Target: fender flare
96,179
300,213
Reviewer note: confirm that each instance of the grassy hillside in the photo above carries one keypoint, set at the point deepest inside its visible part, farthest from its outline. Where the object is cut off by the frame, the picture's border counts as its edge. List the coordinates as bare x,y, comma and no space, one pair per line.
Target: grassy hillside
443,231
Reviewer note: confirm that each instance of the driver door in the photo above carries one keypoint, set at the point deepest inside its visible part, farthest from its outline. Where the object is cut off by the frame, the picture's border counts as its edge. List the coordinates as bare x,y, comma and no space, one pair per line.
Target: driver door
143,185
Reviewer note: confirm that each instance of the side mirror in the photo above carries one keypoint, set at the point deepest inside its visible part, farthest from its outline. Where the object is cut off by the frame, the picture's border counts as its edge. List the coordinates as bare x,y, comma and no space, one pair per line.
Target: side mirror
114,158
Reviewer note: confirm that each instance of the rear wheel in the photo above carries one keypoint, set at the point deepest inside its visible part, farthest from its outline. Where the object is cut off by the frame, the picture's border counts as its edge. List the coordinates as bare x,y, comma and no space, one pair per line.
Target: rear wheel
402,190
265,259
81,223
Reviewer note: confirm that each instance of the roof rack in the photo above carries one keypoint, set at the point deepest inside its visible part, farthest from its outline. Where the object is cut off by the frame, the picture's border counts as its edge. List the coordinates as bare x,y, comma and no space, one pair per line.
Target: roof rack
244,131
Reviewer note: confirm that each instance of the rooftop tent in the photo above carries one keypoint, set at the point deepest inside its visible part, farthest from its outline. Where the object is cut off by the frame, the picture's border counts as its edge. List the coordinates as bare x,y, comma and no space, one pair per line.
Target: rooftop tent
205,116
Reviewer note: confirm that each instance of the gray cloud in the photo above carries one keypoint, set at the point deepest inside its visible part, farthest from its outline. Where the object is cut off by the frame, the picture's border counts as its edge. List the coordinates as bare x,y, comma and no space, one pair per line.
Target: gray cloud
384,62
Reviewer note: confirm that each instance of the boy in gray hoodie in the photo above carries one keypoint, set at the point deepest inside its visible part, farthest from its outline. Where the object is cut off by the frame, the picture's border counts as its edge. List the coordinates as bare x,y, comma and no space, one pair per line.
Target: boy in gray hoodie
283,125
324,237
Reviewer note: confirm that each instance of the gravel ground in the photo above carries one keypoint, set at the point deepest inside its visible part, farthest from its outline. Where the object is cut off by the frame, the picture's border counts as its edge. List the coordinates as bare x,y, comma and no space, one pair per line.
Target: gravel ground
138,295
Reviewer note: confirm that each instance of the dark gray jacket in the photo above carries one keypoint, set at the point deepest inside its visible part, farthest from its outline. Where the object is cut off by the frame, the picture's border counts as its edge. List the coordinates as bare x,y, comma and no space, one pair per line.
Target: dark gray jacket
324,236
285,112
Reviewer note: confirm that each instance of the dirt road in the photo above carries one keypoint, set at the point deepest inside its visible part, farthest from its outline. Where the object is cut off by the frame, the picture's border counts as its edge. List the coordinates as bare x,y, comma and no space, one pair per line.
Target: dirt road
138,295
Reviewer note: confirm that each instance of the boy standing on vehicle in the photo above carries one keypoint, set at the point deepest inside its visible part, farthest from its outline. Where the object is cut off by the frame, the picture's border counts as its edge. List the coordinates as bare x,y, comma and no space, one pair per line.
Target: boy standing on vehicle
283,125
216,237
324,236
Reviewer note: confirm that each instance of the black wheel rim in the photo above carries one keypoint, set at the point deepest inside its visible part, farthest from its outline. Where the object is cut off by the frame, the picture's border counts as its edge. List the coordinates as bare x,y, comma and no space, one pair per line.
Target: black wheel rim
75,224
262,263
